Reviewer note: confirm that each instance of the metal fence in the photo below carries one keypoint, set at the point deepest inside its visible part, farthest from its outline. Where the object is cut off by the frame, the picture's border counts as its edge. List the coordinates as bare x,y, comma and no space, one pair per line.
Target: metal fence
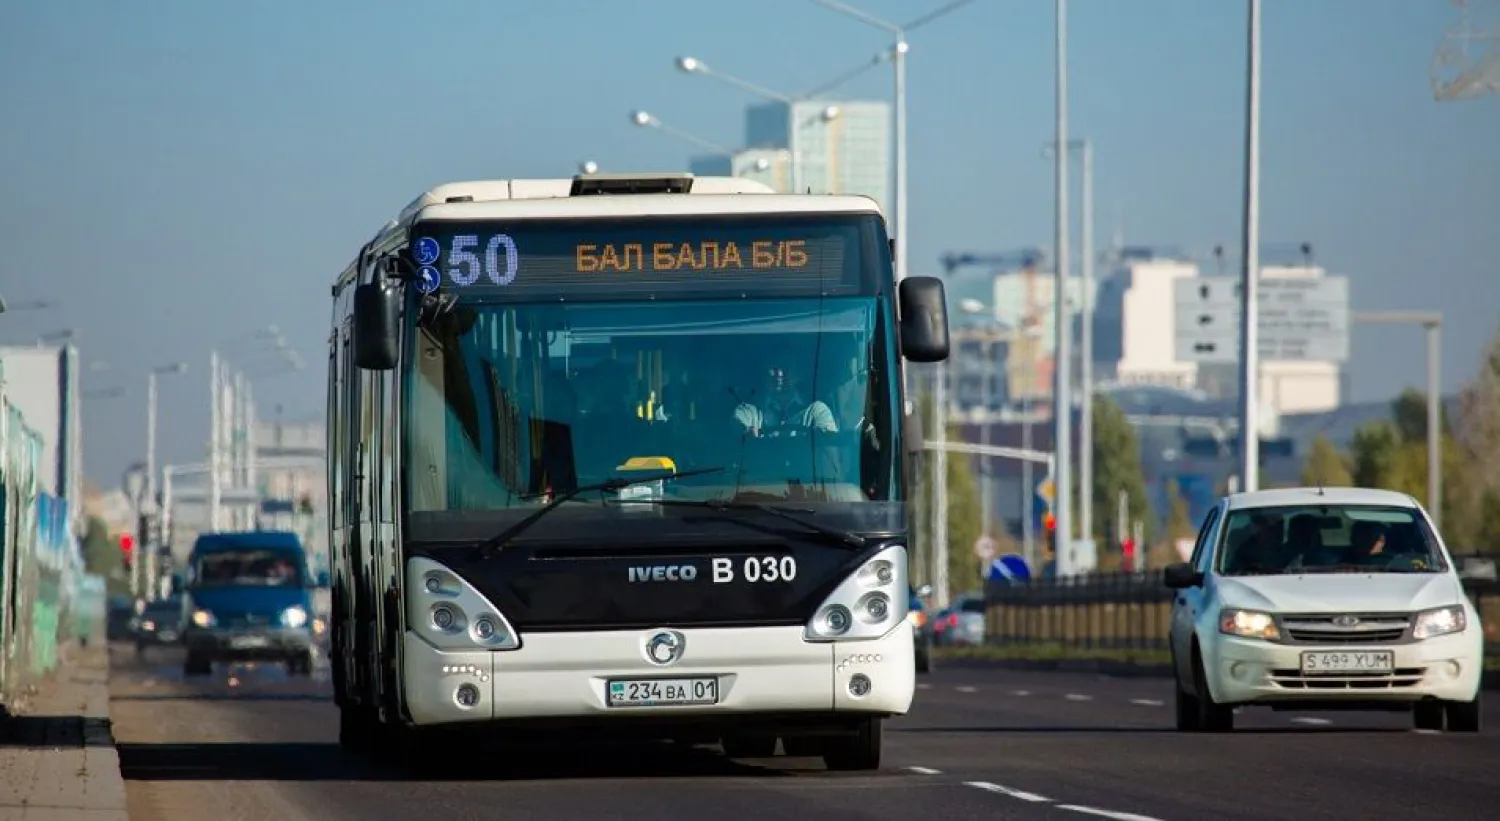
1129,612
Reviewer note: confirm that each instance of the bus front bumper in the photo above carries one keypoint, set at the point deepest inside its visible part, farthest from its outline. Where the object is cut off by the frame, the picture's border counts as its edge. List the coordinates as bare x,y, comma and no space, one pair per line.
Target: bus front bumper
722,674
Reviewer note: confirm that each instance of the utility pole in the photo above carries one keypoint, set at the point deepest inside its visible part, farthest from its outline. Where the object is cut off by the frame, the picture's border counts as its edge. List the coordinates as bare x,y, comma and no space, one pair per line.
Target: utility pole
1249,293
1062,390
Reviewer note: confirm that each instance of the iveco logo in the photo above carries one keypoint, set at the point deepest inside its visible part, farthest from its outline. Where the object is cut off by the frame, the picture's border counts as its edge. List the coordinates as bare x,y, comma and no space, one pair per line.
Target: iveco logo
664,647
664,573
1346,621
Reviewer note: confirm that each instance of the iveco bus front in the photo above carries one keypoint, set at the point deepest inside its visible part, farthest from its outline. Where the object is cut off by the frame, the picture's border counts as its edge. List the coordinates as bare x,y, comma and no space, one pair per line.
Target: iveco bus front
626,452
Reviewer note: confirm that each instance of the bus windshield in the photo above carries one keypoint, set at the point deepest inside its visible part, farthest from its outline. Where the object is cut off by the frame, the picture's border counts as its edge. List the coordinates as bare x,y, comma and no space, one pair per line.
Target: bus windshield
794,398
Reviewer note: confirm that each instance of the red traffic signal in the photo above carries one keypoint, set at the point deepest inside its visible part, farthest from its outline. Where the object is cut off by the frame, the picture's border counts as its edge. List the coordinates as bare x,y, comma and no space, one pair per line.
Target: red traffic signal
1128,547
1049,522
127,544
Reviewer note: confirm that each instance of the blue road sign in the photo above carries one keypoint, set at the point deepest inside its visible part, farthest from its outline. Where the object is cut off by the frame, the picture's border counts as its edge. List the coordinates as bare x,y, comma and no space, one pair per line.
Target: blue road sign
1010,568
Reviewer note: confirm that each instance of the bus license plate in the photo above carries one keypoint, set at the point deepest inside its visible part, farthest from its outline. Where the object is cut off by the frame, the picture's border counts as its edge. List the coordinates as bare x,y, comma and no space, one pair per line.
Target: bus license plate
663,692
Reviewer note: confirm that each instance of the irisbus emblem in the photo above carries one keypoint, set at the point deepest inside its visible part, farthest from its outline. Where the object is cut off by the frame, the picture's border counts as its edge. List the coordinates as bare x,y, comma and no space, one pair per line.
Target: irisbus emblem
664,647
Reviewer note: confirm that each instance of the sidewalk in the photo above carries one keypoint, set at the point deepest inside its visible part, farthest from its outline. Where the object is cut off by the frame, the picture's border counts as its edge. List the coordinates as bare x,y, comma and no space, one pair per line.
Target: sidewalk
57,758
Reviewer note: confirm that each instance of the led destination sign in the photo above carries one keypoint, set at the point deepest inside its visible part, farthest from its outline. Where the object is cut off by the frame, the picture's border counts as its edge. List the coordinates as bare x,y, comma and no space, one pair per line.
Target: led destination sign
783,255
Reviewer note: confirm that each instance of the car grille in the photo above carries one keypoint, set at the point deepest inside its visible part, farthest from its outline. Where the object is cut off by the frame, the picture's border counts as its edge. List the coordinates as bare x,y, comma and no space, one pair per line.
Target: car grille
244,620
1324,628
1292,679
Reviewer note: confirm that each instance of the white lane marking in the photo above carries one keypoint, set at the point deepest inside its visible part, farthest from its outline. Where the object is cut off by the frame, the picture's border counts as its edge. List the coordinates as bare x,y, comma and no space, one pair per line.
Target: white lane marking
1013,793
924,770
1118,816
1426,732
1146,702
1316,722
1020,692
967,689
1078,697
924,686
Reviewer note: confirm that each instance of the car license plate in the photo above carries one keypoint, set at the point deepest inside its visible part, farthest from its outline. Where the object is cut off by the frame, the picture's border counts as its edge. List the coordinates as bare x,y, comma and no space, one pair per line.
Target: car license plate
247,642
168,635
1348,661
663,692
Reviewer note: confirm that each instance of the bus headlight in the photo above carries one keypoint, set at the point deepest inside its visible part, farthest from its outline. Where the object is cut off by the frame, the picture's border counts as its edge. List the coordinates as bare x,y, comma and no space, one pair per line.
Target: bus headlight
448,613
868,604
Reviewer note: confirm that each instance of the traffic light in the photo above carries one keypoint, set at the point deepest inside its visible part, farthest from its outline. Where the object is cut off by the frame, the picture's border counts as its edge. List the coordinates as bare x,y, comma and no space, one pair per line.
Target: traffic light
1127,554
127,548
1049,535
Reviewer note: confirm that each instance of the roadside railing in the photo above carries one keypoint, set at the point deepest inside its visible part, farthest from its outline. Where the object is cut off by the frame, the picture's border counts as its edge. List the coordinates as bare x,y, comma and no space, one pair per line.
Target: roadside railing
1128,614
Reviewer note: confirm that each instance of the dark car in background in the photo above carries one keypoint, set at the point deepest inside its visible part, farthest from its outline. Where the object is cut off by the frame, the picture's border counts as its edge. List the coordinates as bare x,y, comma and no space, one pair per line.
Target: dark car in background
249,597
921,623
159,624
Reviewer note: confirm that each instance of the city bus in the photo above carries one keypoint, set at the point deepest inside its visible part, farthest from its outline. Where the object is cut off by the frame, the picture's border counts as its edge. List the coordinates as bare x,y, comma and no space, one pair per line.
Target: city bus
624,453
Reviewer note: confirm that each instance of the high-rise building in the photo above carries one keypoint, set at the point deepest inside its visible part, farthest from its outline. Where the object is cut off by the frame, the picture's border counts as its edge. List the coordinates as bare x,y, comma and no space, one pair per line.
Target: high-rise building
832,147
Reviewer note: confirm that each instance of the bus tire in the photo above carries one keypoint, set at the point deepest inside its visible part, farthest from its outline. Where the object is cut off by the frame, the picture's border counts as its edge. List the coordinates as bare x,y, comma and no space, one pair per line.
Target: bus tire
858,751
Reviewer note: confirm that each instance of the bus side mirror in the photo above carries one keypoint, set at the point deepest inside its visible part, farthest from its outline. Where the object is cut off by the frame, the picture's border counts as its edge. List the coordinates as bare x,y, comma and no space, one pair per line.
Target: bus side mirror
924,319
377,308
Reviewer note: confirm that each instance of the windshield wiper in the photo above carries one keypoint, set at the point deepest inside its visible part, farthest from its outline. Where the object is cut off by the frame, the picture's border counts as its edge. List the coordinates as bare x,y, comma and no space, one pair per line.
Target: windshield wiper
847,537
493,544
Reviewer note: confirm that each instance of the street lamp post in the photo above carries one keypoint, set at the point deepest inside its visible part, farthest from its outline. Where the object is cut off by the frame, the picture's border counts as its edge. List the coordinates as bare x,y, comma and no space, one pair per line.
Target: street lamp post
644,119
1086,343
1432,323
898,60
1249,310
146,545
1063,382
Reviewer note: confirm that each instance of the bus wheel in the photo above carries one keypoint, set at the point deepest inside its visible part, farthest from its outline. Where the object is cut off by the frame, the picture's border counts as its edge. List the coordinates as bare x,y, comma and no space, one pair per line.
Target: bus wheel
354,728
860,751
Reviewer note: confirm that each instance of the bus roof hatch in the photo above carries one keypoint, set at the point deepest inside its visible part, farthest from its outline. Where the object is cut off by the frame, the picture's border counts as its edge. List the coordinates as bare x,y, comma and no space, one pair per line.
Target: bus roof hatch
631,184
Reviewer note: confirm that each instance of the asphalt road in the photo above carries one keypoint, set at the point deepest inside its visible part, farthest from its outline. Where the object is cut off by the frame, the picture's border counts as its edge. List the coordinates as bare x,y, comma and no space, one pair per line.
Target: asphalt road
250,743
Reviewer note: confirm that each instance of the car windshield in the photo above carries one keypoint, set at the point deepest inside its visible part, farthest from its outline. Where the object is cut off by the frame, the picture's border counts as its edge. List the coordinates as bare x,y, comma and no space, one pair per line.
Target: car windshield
1328,539
792,398
250,567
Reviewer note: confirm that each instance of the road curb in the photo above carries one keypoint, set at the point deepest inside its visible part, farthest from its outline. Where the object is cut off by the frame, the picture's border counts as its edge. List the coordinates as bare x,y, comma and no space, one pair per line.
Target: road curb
1490,682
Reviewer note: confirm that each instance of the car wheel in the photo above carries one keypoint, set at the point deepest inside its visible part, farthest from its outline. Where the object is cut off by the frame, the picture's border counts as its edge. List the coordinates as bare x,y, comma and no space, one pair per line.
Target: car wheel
1463,716
860,751
1427,715
924,660
1211,716
1187,708
197,665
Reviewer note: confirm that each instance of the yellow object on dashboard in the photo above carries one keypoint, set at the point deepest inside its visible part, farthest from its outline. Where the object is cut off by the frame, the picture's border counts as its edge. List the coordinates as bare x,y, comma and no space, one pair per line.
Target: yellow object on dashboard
649,463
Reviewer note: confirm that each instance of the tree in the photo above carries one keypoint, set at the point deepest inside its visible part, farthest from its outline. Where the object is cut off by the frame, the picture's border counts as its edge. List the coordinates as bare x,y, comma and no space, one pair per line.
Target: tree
101,555
1325,466
1117,468
1476,438
1179,519
964,511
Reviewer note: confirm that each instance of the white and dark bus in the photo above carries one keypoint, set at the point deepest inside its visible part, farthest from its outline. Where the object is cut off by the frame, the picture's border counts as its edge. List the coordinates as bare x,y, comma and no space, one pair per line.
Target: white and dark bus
625,452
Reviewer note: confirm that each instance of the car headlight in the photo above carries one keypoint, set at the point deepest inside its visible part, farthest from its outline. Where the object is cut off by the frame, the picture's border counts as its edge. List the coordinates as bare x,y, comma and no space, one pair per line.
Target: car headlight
917,618
294,616
1439,621
203,618
1250,624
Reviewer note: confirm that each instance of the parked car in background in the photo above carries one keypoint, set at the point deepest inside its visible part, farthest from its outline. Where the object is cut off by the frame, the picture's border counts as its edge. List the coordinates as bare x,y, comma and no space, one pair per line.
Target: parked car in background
921,624
961,624
1323,598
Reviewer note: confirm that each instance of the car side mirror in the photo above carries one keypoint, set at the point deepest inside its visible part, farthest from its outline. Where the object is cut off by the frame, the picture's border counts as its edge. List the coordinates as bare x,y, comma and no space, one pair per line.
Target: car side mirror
1181,575
377,311
924,319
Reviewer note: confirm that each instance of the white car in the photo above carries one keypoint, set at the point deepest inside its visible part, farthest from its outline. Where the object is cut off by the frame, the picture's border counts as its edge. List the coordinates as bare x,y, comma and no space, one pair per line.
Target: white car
1325,599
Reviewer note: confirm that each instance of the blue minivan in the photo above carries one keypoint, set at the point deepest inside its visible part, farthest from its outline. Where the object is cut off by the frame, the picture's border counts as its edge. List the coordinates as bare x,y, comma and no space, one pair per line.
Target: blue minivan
248,597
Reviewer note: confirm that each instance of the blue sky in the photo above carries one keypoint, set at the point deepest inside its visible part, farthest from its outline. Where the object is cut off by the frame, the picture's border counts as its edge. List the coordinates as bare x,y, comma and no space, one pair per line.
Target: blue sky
178,173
